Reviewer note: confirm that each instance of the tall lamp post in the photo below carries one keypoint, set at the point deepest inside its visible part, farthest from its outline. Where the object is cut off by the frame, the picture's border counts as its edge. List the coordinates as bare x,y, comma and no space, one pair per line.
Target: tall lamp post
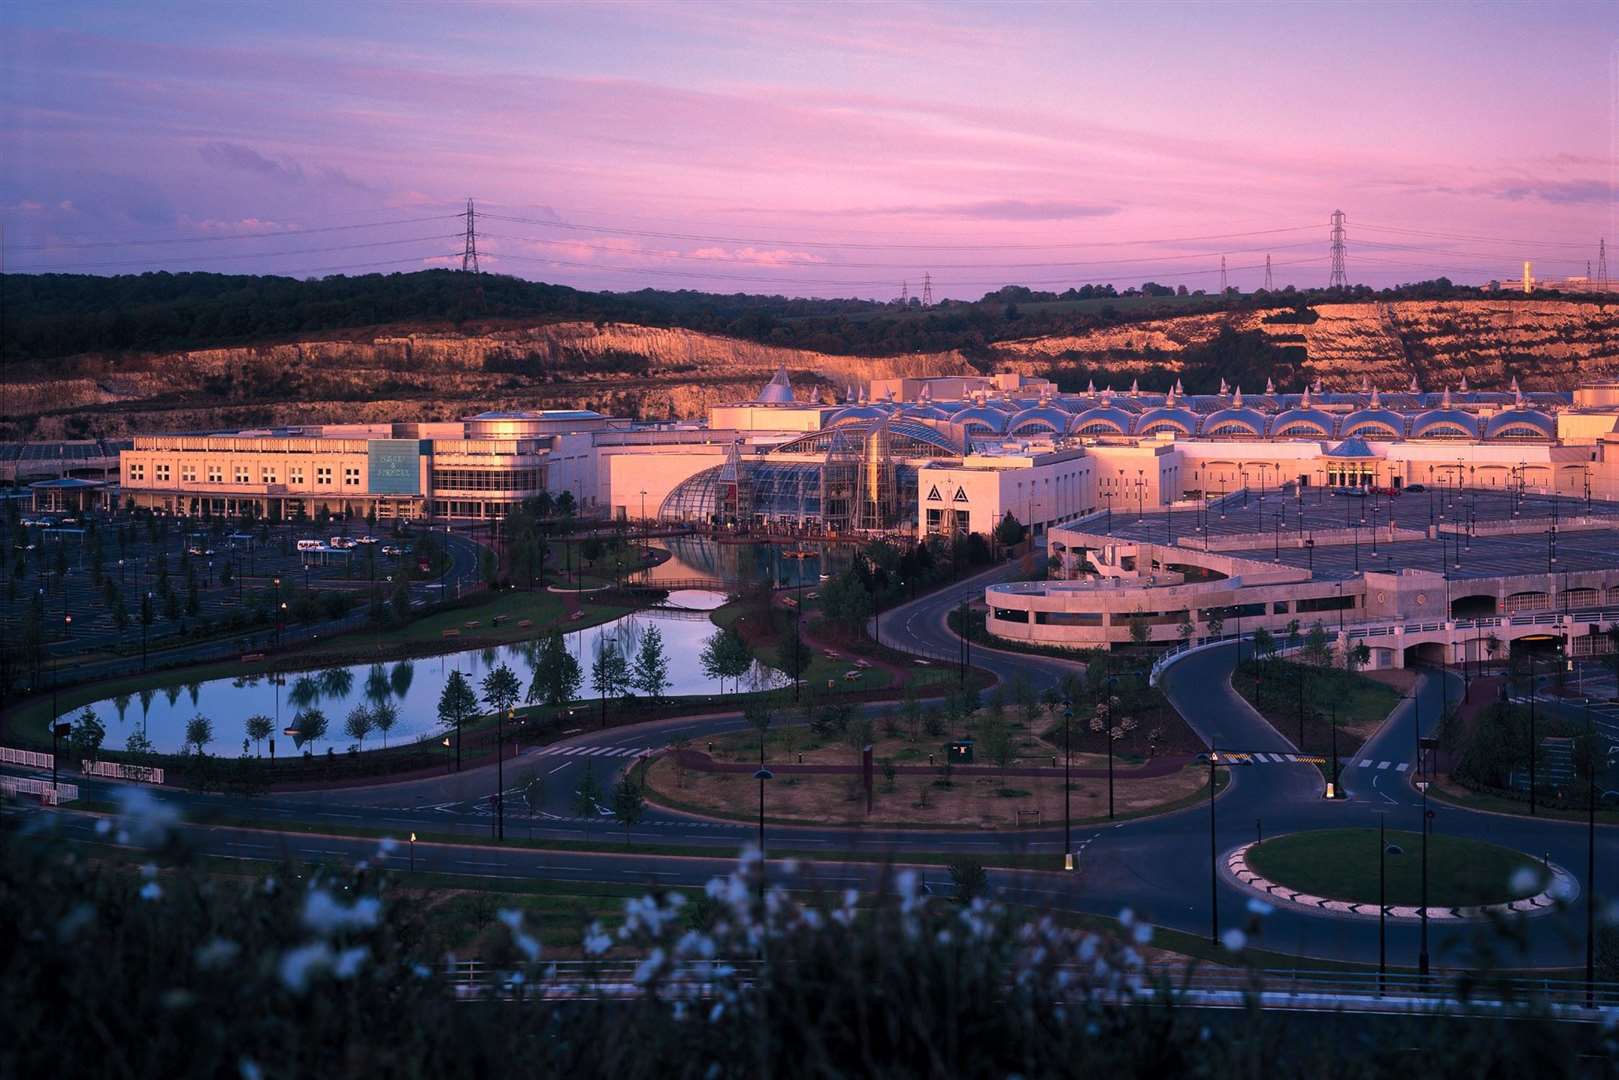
1532,746
762,775
1382,905
500,772
1214,853
1067,784
1427,816
1590,859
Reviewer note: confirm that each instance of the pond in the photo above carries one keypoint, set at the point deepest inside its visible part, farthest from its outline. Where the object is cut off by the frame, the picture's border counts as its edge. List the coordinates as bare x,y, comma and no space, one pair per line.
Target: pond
738,563
412,686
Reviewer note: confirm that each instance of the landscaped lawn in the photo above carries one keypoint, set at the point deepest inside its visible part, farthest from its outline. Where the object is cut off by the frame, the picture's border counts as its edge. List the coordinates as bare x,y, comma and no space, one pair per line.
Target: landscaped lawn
1357,701
1342,864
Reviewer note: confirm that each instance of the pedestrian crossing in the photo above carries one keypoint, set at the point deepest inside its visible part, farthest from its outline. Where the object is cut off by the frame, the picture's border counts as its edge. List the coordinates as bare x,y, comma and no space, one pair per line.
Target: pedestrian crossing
589,751
1268,758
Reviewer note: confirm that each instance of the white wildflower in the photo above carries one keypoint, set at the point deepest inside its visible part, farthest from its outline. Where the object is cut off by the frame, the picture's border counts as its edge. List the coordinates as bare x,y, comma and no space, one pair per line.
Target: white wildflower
216,953
144,820
103,827
1258,907
1142,934
1525,881
1561,888
649,967
250,1069
78,917
1610,1018
326,915
1126,917
149,871
347,964
386,846
421,971
151,891
596,941
716,1012
695,944
1234,940
299,965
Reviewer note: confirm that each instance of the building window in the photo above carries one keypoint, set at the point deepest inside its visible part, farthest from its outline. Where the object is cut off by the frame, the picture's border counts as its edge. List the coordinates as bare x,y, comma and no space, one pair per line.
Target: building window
323,474
162,471
188,473
241,474
351,476
137,471
266,475
296,474
216,474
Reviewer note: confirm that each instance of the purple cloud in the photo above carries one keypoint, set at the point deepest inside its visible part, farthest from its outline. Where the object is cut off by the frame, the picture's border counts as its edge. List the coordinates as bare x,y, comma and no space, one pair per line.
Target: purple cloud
229,155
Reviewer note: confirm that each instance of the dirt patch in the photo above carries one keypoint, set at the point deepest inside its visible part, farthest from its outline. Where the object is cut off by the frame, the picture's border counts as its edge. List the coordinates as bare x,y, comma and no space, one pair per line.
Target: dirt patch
989,801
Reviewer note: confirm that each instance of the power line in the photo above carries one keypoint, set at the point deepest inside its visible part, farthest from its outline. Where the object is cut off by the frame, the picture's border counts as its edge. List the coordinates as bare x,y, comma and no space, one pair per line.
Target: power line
469,250
706,238
233,236
1464,236
74,267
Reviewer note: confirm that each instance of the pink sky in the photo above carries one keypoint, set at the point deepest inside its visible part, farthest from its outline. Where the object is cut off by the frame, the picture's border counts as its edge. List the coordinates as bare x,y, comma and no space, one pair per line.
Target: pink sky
833,149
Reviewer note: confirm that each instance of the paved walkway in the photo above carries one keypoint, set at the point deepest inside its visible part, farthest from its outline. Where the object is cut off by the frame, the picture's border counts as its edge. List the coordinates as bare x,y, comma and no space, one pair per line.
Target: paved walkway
1236,866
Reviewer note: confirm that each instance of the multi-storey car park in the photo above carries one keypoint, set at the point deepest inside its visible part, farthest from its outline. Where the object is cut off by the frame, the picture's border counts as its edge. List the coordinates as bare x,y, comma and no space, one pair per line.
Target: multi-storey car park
1158,508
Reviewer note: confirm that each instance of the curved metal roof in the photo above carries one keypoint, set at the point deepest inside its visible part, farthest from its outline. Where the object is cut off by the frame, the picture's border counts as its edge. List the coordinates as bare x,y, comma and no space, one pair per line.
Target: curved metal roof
1520,424
1101,420
1252,421
1039,418
1303,423
778,391
1174,417
856,413
1373,424
1445,424
983,416
926,412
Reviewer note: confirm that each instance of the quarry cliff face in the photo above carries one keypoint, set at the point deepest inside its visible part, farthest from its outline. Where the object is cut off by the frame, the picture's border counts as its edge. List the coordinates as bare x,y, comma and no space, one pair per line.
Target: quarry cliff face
619,369
652,372
1545,344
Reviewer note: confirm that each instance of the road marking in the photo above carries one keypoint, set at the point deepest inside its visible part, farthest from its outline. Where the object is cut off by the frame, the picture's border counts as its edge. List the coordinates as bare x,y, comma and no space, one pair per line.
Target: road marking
1401,767
556,770
1381,765
1366,763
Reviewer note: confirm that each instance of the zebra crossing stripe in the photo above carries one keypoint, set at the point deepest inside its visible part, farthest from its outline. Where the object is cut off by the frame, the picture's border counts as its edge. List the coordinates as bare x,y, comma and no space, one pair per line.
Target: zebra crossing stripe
1383,765
1401,767
1366,763
1293,758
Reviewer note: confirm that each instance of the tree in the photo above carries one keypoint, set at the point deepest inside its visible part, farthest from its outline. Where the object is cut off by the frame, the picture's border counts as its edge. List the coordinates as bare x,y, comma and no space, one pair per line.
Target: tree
1317,650
586,796
501,689
87,734
757,714
384,714
651,673
556,673
725,656
456,705
628,804
792,655
533,788
199,732
969,878
310,726
358,724
1185,631
258,728
1140,632
1010,531
1213,619
996,738
1358,656
1264,644
609,674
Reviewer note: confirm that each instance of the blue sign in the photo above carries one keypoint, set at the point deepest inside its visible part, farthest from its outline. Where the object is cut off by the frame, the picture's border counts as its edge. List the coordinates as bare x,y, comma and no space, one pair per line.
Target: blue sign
394,466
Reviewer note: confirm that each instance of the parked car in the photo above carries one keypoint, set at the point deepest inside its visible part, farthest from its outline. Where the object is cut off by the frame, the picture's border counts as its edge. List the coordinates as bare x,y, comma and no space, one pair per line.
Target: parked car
366,540
1416,489
393,549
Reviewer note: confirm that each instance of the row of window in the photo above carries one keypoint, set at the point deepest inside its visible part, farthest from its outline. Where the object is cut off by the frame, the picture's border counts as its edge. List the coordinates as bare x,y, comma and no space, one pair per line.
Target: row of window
241,474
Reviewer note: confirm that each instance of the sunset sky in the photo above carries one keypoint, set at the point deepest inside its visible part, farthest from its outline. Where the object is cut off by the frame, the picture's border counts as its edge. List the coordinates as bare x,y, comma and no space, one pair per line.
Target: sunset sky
814,149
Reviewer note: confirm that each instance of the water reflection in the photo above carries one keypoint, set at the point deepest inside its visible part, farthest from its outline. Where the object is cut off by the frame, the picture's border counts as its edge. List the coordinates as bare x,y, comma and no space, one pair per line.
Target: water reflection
702,557
410,688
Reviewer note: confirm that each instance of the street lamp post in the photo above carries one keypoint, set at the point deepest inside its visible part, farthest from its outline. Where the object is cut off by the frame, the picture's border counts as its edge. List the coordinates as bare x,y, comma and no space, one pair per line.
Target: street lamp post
1532,746
1214,856
1590,859
500,773
762,775
1427,816
413,853
1067,785
1382,905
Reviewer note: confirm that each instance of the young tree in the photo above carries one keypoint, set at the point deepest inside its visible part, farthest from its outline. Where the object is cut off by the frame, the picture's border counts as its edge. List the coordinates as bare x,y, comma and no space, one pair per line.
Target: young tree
628,804
757,714
533,788
969,878
199,732
1317,647
793,657
258,728
87,734
1185,631
1215,621
358,724
310,726
996,738
556,673
1140,632
384,714
725,656
651,673
586,797
456,705
501,689
609,675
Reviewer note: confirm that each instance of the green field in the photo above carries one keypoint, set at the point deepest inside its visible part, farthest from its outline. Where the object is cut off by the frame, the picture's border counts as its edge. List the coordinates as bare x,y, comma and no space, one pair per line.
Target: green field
1342,864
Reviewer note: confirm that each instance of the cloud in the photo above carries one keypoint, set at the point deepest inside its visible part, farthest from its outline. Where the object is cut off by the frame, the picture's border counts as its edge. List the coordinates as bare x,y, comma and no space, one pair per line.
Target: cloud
1001,211
1561,192
758,256
235,156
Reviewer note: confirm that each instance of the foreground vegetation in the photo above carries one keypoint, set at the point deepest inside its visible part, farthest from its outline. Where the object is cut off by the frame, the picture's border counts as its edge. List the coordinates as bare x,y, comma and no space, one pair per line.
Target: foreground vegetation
169,971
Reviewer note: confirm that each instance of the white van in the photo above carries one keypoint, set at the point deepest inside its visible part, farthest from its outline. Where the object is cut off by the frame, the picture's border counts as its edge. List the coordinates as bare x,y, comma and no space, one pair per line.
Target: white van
309,545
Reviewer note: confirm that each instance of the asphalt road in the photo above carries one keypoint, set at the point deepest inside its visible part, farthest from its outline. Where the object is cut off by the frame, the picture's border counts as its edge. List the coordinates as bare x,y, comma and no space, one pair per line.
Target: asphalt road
1159,866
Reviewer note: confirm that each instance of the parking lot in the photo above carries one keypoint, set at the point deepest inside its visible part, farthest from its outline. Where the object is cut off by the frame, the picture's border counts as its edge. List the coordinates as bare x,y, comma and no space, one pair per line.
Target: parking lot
89,575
